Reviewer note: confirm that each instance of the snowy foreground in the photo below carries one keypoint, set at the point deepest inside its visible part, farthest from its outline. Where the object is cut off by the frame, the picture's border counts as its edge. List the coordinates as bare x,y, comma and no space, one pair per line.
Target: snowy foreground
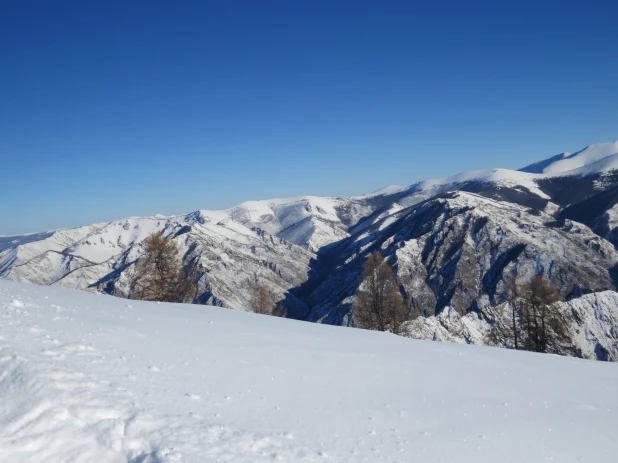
92,378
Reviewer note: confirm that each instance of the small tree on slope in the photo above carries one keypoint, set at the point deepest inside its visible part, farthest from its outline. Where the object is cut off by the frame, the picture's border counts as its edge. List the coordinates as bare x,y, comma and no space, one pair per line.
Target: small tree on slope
544,326
379,305
159,274
261,300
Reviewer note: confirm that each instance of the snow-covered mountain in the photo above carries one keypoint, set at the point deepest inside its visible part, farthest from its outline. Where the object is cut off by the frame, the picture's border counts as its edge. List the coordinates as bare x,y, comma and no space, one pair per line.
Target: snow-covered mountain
454,249
558,216
99,257
593,159
581,186
272,240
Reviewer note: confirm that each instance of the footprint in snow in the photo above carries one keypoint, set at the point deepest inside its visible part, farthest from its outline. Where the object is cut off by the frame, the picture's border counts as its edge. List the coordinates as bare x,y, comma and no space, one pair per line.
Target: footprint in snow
52,353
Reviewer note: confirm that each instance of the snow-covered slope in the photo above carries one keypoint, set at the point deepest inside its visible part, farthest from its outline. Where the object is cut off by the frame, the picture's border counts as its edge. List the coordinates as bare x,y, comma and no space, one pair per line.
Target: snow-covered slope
87,377
540,166
307,221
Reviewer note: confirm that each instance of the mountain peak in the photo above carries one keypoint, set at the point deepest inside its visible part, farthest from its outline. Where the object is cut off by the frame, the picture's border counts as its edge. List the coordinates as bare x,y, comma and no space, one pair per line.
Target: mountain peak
594,158
540,166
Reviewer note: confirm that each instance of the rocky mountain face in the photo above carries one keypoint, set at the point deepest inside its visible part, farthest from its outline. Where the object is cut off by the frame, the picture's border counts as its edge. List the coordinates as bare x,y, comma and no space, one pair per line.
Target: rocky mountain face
454,249
450,241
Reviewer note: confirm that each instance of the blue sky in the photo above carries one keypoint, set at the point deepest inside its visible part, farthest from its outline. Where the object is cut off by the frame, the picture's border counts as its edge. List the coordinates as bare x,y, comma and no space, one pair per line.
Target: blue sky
110,109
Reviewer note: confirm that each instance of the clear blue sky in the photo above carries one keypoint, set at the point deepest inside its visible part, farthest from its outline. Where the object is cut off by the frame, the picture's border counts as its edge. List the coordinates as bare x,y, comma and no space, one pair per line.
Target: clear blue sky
117,108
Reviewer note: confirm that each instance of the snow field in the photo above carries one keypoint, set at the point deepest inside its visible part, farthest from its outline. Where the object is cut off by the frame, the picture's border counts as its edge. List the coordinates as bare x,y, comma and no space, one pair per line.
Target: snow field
86,377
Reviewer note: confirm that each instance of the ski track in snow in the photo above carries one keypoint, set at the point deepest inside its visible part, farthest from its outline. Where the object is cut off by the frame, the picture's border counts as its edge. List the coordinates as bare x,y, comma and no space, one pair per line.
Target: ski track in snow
89,378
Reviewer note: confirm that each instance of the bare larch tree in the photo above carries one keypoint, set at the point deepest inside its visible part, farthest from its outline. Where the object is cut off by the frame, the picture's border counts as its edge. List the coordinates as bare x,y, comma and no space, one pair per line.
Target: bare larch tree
159,274
260,299
544,325
378,304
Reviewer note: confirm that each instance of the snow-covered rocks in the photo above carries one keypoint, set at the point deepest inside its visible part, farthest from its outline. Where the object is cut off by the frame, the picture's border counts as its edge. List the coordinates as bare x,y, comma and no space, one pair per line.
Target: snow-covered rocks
593,319
596,324
449,326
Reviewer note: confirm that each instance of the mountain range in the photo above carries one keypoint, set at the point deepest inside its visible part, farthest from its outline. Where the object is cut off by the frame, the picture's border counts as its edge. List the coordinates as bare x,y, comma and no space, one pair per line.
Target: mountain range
449,240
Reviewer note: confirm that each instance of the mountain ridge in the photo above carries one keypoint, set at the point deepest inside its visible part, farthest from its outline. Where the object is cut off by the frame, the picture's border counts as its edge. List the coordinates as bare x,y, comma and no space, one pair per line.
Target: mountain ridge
450,241
591,155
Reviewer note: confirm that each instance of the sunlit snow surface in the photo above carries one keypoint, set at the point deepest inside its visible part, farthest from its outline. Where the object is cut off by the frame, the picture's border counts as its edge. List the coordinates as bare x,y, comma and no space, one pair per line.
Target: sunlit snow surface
592,159
92,378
